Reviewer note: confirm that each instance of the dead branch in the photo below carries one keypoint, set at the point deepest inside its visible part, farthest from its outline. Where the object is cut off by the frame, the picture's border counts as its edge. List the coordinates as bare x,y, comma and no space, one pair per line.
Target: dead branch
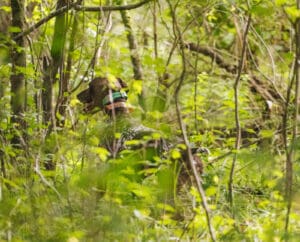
207,51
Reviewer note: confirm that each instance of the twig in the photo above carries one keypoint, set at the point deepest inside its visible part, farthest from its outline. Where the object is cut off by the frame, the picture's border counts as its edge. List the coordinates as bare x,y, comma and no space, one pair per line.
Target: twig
273,82
45,181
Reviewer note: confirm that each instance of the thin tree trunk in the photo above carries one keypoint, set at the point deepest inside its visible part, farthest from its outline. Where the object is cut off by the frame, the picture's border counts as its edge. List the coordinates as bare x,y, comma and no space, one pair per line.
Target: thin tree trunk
135,59
161,94
17,77
237,120
47,93
291,151
51,68
5,21
64,84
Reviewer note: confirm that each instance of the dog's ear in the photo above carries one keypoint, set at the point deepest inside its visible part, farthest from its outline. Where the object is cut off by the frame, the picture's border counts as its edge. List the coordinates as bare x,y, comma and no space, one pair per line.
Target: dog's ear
122,83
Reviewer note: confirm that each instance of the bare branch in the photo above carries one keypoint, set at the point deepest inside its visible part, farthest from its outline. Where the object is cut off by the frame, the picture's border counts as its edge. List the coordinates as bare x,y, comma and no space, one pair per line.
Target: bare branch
111,8
45,20
212,54
78,7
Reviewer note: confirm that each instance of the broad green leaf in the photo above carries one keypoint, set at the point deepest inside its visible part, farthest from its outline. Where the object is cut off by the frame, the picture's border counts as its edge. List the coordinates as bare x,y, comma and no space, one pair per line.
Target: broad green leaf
6,9
118,135
93,140
166,207
137,86
14,29
293,12
261,10
101,152
74,102
280,2
267,133
211,191
132,142
175,154
10,183
216,179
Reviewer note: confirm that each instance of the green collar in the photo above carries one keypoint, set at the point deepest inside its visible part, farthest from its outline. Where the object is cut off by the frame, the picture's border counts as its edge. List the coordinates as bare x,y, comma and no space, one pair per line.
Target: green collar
115,95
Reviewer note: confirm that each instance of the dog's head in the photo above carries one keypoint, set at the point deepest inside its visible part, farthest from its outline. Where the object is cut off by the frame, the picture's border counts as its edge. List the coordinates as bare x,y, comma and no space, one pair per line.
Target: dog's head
104,94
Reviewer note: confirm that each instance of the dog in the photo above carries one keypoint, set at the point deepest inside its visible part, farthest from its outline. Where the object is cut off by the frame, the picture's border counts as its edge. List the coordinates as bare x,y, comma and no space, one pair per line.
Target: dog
110,96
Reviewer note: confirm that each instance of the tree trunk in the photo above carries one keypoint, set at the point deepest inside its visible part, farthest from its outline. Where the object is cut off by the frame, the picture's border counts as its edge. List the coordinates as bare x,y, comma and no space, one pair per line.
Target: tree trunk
17,77
4,18
135,59
291,152
64,83
51,67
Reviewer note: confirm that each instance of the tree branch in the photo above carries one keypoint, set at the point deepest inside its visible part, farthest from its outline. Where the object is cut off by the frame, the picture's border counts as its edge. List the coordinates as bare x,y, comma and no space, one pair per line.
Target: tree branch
254,81
76,6
111,8
212,54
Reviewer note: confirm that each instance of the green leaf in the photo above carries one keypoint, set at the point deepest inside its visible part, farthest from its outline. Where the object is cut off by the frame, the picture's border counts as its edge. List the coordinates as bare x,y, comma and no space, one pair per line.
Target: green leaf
137,86
141,192
101,152
175,154
260,10
14,29
194,192
93,140
211,191
6,9
266,133
132,142
293,12
166,207
10,183
280,2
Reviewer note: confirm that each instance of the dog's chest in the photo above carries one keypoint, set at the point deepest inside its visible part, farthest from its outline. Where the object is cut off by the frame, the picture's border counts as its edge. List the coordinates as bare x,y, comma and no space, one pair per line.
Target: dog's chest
127,136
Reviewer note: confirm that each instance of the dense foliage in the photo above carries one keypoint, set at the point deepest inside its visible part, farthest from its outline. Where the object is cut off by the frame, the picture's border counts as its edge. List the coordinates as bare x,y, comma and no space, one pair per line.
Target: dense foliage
225,73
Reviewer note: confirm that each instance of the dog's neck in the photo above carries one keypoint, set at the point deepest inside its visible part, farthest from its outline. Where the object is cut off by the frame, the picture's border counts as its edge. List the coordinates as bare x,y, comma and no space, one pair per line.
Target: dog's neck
115,105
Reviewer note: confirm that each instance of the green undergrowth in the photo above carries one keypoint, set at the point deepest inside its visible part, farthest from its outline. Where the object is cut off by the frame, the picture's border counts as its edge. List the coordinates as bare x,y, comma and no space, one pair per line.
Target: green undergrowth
91,197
